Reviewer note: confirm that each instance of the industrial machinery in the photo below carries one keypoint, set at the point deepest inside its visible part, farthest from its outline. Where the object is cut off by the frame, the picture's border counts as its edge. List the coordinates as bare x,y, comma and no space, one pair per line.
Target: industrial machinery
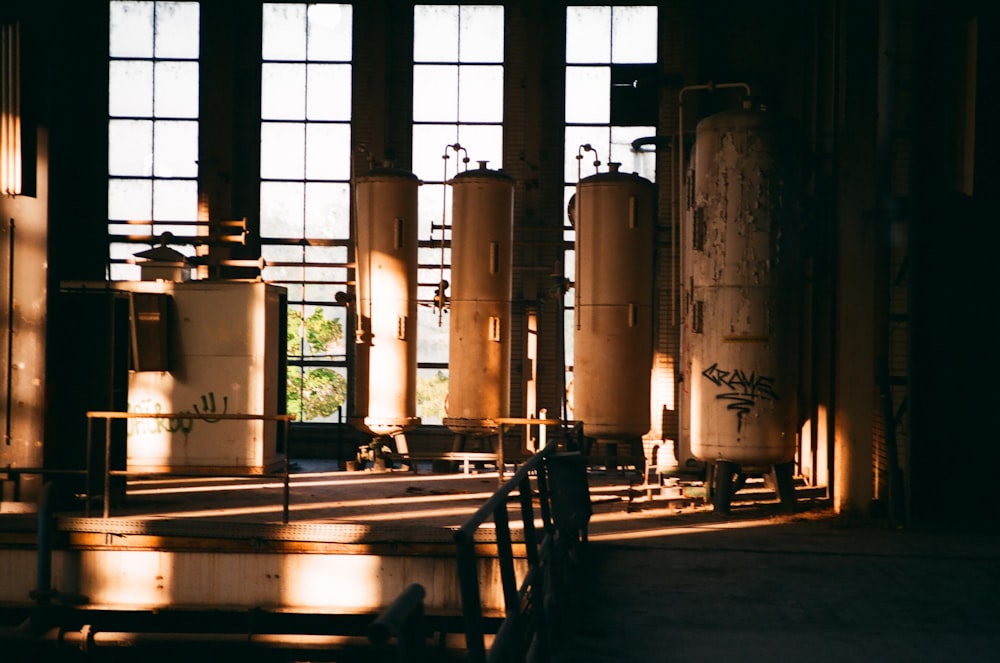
482,229
613,335
385,402
740,329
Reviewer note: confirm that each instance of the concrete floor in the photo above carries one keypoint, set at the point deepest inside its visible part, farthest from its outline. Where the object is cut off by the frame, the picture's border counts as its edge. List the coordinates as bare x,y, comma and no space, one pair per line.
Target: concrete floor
761,585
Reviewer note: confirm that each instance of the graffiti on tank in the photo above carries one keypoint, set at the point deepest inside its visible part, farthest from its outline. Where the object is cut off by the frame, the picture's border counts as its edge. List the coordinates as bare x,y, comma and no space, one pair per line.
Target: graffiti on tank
208,407
182,423
177,424
744,390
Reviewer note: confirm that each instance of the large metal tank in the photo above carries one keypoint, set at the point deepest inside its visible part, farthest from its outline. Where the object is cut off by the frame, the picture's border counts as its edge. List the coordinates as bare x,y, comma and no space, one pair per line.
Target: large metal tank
739,333
386,340
613,338
482,229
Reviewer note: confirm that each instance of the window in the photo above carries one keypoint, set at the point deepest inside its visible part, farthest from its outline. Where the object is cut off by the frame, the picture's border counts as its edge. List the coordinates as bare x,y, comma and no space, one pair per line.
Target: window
305,150
457,101
608,49
152,130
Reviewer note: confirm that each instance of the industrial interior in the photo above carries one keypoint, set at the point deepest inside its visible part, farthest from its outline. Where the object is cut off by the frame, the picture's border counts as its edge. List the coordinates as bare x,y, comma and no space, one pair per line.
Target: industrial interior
272,270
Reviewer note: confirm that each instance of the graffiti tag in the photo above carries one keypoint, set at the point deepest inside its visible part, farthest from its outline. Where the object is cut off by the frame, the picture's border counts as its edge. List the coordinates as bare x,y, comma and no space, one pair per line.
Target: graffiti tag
744,390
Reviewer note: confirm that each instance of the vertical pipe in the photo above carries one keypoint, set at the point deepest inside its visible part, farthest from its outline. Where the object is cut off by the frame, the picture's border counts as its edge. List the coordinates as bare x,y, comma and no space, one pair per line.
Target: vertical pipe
43,587
10,337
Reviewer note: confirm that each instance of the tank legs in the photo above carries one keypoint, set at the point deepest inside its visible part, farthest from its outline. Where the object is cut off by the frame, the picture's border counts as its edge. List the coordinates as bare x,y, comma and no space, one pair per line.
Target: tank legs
725,475
783,477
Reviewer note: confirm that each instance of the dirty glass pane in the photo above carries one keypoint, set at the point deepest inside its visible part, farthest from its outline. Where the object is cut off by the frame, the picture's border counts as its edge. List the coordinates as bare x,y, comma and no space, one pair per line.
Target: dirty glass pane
328,151
131,30
175,145
130,88
633,35
175,200
282,150
480,33
588,94
328,210
283,91
130,147
330,30
435,33
328,92
588,34
281,212
435,93
177,25
480,94
130,199
284,32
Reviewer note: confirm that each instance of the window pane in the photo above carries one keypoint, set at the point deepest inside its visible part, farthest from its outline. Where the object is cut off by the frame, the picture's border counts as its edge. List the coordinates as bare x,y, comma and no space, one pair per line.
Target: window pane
282,93
328,92
284,34
588,34
433,338
588,94
131,28
316,393
481,35
274,255
328,210
330,32
633,34
281,209
175,201
432,390
328,151
130,147
433,205
435,33
130,86
130,200
435,93
480,94
631,161
598,137
484,143
176,93
176,149
430,144
177,25
282,151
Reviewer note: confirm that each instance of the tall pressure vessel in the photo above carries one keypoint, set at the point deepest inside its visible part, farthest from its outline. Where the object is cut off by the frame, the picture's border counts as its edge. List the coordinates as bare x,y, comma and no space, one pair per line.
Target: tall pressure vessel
613,338
740,324
386,340
482,229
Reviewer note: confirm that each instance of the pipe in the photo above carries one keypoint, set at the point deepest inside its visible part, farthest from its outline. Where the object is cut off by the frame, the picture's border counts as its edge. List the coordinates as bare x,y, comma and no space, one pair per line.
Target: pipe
10,336
43,589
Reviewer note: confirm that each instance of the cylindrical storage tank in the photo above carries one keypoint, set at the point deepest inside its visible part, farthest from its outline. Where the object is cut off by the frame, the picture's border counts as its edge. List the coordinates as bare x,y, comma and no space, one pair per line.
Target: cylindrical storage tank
386,340
613,336
482,229
740,327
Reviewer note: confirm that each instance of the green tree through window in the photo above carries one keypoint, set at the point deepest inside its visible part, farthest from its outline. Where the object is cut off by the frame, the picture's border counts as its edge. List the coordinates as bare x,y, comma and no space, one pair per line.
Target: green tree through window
314,392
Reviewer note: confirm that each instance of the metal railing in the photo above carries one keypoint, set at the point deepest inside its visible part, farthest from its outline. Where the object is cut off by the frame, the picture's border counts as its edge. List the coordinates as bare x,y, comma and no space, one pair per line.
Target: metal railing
283,423
560,486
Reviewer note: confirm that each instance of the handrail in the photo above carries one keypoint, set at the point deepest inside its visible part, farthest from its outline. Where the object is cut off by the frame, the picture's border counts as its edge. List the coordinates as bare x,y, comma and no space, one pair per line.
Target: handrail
524,606
402,619
108,472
